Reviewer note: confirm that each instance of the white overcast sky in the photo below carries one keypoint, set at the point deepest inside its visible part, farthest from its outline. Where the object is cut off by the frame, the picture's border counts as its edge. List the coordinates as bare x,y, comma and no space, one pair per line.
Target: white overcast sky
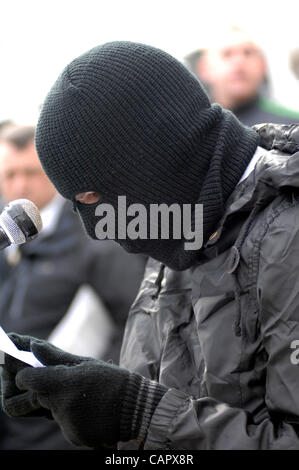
39,37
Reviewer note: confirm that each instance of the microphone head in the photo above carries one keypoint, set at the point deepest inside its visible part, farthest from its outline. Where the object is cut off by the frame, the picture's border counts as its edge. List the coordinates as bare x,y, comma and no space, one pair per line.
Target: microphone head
21,221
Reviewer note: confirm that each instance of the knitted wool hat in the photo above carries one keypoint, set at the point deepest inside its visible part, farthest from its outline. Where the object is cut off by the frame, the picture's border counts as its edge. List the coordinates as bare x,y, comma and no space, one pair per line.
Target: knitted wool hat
129,119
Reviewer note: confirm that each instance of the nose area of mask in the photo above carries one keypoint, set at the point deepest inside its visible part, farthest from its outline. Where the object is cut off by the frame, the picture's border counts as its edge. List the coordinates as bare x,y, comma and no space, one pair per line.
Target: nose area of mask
88,218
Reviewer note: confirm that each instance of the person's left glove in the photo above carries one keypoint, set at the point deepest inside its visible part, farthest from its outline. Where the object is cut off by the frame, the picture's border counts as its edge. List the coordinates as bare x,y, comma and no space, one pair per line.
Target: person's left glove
95,403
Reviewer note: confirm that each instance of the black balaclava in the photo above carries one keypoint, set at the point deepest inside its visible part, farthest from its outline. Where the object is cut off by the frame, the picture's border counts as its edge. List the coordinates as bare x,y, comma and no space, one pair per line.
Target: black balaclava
127,119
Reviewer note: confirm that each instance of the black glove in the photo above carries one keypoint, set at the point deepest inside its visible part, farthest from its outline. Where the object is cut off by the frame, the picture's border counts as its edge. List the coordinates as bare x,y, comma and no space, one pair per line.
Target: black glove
14,401
94,403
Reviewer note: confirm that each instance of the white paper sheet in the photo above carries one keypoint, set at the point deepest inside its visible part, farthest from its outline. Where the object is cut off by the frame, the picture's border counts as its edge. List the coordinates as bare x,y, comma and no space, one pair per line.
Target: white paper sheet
7,346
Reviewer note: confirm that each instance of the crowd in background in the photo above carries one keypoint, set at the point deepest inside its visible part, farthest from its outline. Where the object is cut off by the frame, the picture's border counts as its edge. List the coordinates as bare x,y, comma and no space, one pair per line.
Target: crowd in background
75,291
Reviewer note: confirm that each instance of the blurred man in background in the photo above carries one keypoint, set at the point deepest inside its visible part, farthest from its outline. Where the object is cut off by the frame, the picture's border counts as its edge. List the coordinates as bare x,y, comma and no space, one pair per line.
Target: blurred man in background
294,61
5,125
60,286
234,71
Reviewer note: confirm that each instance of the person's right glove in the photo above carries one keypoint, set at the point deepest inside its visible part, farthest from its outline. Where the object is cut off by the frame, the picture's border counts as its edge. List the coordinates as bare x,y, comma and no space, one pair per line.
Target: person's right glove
95,403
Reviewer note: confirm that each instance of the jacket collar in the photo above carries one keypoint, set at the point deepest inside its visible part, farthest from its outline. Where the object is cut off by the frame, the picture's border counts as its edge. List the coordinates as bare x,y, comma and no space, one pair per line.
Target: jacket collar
277,167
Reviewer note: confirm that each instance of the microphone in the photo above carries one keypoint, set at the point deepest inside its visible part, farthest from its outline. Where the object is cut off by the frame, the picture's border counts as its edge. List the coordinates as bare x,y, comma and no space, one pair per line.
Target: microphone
20,222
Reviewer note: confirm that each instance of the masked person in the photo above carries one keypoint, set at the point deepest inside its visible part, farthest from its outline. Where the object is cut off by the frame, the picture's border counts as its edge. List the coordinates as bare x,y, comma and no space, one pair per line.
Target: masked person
206,361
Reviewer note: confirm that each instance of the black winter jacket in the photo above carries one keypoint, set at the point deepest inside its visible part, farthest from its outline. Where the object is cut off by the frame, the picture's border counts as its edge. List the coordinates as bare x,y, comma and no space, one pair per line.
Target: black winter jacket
224,335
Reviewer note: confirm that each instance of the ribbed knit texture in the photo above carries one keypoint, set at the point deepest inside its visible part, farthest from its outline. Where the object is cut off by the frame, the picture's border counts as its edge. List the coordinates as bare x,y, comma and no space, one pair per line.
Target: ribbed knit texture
129,119
140,401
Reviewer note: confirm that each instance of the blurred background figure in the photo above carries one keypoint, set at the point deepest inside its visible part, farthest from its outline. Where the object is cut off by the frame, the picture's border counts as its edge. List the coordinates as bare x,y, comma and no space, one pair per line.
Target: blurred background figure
294,61
234,71
5,126
62,286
